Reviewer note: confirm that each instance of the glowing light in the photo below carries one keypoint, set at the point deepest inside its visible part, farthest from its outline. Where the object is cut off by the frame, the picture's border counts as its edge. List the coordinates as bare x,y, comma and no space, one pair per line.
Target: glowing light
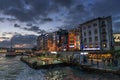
64,49
1,40
21,45
84,53
53,52
5,36
91,48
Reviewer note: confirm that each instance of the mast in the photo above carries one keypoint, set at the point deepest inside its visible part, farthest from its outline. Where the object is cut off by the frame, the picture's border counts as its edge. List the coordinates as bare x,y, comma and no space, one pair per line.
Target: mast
11,47
11,44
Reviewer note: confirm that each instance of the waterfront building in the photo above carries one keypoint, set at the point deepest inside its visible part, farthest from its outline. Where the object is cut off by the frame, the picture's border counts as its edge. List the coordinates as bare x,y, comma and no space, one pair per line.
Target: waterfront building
55,47
58,40
42,42
74,40
3,50
62,40
93,35
50,42
97,34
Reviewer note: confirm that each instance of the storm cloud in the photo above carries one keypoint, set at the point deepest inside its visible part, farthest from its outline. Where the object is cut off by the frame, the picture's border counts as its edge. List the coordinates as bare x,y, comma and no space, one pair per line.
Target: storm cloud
116,27
26,10
4,38
34,29
38,14
108,7
73,11
16,25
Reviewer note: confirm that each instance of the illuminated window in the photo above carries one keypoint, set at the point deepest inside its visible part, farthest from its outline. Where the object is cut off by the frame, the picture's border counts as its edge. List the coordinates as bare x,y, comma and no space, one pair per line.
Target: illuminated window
104,45
90,45
71,41
85,45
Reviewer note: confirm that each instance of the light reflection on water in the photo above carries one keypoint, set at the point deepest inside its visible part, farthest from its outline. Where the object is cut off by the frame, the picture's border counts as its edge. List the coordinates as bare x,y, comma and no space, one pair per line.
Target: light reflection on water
68,73
14,69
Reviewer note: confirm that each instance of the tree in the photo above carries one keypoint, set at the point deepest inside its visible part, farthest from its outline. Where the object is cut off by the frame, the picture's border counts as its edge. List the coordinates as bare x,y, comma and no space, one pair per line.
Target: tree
114,53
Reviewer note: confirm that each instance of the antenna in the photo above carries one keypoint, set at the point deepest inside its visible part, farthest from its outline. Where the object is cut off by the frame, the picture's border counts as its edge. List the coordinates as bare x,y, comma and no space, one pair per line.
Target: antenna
11,43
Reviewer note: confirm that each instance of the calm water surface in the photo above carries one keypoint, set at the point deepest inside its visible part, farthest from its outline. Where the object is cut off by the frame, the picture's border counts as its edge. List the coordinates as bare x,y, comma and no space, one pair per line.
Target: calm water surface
14,69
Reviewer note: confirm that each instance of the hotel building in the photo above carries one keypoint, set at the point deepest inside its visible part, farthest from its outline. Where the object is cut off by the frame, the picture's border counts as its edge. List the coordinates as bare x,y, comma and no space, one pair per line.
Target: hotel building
97,34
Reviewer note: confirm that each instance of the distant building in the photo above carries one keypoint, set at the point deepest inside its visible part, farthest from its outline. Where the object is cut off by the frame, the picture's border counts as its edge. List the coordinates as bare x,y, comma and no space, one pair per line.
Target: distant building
22,50
3,50
50,42
42,42
60,40
56,41
97,34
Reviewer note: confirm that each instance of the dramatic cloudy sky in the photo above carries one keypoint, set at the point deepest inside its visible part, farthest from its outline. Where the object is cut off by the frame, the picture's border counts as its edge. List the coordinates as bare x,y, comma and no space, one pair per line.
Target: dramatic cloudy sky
24,20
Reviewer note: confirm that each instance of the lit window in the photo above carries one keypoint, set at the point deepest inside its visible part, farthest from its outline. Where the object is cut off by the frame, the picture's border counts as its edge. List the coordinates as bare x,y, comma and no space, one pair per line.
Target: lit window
90,45
104,45
85,45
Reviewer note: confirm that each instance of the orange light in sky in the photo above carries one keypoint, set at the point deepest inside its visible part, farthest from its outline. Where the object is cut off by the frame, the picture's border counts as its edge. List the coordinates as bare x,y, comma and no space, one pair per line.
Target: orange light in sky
20,45
5,36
